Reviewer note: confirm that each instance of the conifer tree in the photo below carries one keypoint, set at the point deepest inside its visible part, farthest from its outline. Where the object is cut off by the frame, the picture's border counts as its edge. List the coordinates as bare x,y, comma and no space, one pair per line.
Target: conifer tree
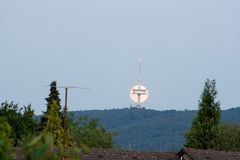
49,144
53,96
54,123
204,130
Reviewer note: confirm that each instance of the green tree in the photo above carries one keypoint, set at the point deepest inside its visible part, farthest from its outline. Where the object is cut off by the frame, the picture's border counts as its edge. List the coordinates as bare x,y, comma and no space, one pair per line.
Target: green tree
89,133
228,138
30,126
53,96
5,132
54,123
49,144
21,121
204,128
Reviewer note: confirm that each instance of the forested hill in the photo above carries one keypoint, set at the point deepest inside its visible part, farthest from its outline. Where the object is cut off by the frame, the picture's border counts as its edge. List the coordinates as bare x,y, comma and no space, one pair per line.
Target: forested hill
144,129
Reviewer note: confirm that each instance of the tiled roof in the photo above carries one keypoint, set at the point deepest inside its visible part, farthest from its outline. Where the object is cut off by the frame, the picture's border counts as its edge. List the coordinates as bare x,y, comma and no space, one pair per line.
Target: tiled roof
197,154
117,154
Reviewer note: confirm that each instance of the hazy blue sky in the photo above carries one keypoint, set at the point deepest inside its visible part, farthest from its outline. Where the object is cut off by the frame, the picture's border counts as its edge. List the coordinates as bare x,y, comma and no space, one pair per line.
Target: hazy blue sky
97,43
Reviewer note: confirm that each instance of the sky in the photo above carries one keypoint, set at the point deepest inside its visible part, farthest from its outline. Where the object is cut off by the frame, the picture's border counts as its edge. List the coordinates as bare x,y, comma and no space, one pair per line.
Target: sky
97,44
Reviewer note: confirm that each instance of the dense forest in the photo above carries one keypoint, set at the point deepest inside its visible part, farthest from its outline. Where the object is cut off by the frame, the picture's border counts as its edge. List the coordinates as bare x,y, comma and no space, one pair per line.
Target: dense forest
151,130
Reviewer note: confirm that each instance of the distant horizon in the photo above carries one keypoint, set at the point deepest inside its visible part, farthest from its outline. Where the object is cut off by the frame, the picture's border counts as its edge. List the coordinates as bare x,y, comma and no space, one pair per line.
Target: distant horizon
90,108
140,108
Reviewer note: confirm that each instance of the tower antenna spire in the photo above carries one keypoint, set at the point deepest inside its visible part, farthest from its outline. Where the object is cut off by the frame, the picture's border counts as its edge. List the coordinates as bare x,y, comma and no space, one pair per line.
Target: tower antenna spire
140,70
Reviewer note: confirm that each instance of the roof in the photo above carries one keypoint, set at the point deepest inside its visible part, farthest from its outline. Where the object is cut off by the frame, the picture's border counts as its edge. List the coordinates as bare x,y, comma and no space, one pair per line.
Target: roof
198,154
118,154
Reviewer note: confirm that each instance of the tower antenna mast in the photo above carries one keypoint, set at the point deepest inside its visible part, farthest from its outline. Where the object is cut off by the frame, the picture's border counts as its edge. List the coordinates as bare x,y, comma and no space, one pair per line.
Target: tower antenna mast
139,92
140,70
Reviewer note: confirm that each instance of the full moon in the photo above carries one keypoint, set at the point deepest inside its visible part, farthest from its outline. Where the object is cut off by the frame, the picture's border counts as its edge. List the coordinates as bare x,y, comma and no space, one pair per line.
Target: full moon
139,94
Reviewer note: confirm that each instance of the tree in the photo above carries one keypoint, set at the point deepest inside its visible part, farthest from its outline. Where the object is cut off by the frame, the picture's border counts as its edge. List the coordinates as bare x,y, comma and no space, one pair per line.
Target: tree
29,125
228,138
48,145
204,128
54,123
21,121
53,96
89,133
5,131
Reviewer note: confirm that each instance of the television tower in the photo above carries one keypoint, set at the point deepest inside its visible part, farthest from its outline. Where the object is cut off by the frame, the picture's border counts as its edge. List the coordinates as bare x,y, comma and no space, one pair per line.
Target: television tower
139,93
